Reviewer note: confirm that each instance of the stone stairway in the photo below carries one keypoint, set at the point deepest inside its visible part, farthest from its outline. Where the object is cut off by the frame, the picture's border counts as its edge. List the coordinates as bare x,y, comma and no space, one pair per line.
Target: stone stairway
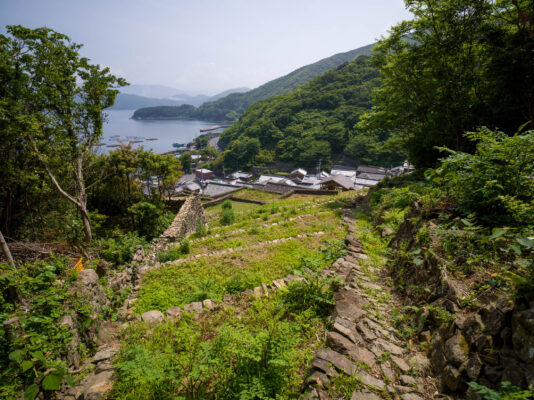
363,342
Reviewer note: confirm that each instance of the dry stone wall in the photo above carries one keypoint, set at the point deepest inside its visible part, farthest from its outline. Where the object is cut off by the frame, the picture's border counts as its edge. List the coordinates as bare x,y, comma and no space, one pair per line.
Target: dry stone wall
490,342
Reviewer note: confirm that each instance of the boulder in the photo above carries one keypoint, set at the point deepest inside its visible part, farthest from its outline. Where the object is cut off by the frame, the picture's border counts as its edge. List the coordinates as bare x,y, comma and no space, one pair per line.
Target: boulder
88,277
152,317
105,353
339,342
98,386
339,361
107,333
209,304
194,308
364,395
451,378
523,335
457,349
173,312
348,332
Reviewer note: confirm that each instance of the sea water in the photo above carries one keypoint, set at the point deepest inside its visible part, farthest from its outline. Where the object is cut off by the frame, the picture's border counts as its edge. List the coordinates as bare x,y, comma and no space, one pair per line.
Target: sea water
166,132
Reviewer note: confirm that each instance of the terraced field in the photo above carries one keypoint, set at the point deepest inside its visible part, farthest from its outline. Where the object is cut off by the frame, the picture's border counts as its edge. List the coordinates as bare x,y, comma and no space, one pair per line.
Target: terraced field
250,346
263,244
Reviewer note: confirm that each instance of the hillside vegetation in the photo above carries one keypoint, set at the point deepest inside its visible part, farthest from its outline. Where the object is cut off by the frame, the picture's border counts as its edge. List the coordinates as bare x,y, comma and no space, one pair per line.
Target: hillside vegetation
233,105
313,122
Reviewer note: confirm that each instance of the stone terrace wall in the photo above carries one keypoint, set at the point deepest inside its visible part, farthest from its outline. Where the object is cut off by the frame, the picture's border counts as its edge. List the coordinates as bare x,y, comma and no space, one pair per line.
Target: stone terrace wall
186,220
490,342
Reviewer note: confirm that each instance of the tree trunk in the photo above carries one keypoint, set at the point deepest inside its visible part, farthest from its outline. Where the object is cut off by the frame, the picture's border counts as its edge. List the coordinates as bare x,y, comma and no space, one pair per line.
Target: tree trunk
6,251
81,197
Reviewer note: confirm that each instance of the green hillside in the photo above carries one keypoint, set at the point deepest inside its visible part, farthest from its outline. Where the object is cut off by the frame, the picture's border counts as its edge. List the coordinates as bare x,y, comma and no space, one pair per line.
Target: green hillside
311,123
233,105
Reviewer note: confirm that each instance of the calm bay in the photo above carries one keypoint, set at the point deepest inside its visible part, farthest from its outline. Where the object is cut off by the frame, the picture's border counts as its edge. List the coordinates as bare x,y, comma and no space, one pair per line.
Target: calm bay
166,132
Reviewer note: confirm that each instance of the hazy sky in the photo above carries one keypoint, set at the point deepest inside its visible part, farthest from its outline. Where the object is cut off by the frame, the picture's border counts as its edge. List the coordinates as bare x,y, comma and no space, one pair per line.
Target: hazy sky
208,45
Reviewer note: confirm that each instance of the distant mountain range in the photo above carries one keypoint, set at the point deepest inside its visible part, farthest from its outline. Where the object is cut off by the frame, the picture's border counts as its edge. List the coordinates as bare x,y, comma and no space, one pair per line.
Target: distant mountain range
231,106
138,96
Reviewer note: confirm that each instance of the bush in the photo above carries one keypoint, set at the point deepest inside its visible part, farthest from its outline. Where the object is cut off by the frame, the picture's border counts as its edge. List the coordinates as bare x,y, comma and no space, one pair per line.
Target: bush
120,250
32,363
496,183
227,213
315,294
175,252
150,219
508,392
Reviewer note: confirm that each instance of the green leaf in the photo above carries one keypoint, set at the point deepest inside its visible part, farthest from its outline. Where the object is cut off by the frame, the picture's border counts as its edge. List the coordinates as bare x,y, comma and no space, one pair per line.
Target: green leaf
70,381
26,365
52,381
39,356
31,392
16,356
526,242
516,249
497,232
418,261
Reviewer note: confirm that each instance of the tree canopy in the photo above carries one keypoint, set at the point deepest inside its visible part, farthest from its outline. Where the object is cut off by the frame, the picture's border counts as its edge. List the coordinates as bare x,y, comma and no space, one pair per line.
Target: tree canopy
313,122
456,66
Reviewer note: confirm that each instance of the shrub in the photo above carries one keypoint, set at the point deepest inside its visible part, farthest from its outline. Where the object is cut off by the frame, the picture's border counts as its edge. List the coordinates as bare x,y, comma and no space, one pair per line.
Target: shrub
316,294
496,183
508,392
227,213
120,250
175,252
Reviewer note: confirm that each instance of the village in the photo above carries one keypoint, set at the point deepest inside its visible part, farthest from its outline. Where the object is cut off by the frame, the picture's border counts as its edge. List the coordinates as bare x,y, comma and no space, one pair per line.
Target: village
340,178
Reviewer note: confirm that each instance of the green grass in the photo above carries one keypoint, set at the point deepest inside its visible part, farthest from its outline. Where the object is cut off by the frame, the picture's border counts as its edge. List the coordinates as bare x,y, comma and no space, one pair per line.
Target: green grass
232,273
246,351
238,206
256,234
253,194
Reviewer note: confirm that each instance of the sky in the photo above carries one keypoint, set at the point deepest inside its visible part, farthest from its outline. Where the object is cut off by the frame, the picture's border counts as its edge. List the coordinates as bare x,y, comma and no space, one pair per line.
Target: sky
207,46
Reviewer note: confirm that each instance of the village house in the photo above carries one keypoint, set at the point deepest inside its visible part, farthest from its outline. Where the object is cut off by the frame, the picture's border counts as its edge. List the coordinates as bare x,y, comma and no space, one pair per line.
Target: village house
337,182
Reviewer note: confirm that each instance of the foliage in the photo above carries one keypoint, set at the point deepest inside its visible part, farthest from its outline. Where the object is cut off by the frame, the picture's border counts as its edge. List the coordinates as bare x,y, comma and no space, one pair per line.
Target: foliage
508,392
315,294
119,194
32,362
121,249
496,183
253,353
313,122
227,215
449,70
149,219
231,106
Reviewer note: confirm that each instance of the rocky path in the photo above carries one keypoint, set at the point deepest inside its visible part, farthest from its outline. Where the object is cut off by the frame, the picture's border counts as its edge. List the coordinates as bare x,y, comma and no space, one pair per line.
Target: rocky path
365,357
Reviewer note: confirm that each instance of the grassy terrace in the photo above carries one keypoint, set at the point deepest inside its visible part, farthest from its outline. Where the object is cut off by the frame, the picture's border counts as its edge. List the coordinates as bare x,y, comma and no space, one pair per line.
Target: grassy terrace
255,348
232,273
252,194
309,224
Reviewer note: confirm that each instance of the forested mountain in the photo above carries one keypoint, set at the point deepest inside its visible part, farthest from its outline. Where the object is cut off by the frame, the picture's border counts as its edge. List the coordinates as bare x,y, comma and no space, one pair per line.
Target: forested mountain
311,123
231,106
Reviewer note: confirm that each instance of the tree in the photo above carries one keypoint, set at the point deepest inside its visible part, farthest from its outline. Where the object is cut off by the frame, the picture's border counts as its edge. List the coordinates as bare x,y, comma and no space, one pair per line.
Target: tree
55,100
457,65
185,159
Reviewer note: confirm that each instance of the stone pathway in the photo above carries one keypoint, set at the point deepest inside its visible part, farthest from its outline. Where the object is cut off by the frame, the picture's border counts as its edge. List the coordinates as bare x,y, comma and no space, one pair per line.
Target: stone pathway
365,355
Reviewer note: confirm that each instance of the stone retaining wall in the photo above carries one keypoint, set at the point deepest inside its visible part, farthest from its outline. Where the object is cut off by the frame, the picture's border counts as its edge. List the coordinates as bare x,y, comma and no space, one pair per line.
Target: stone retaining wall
487,343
